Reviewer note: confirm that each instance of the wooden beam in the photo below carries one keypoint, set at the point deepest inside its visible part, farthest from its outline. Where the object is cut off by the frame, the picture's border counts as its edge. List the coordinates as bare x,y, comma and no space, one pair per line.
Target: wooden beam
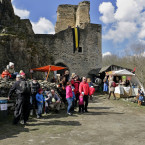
48,72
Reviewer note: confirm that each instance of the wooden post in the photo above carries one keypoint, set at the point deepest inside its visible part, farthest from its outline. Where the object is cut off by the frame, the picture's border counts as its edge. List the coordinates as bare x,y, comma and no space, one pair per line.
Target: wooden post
48,73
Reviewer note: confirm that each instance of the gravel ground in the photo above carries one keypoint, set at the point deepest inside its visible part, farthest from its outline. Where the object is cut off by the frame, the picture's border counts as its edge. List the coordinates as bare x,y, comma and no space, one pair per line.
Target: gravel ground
109,122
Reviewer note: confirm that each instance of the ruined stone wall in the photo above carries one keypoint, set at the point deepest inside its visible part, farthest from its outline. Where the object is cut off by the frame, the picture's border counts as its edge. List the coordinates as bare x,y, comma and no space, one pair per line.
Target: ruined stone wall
20,45
72,15
60,46
25,52
82,14
66,16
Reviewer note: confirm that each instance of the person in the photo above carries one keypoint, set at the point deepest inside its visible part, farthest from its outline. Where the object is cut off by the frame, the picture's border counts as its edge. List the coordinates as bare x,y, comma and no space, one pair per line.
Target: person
73,99
76,85
40,99
5,74
22,107
84,87
127,84
105,87
34,90
111,88
62,92
53,101
81,103
65,78
11,70
141,98
23,75
91,92
72,78
69,95
89,82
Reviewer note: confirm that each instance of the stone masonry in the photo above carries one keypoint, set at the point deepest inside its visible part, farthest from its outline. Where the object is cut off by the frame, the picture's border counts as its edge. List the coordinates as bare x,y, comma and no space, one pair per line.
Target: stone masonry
20,45
72,15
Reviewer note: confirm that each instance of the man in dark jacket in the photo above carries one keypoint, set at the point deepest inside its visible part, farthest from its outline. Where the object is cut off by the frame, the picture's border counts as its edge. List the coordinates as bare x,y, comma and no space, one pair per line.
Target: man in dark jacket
34,90
22,107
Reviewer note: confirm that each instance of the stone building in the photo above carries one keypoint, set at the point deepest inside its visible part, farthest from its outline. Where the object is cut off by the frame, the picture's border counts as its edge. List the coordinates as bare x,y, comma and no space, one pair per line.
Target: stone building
35,50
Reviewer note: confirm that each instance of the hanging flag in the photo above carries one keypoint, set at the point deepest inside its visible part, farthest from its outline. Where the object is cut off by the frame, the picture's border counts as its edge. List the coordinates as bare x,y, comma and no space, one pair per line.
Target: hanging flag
76,38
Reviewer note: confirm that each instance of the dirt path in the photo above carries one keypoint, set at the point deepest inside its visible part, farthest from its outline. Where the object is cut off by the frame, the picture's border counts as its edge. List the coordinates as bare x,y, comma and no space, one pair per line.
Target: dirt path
109,122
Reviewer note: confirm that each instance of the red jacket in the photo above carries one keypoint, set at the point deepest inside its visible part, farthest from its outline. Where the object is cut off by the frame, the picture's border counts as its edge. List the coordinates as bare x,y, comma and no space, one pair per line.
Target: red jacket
92,91
76,85
6,74
84,87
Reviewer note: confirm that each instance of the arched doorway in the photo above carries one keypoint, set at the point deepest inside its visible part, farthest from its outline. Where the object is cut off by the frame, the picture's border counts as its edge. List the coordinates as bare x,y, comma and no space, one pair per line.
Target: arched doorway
61,72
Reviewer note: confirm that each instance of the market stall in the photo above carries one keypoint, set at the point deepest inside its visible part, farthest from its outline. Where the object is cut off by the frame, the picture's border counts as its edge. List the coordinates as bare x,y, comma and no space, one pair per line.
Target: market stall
123,89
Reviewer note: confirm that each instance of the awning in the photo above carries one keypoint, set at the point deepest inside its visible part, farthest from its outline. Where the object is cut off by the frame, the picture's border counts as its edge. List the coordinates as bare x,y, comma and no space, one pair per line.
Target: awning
49,68
123,72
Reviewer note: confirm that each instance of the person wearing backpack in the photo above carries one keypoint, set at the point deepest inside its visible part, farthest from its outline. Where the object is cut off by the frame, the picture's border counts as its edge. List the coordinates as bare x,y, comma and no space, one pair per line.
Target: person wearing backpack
22,106
34,90
112,86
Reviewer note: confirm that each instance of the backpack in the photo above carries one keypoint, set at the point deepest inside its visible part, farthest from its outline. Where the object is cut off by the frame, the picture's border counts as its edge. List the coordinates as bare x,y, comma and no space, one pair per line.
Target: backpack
34,88
113,84
24,87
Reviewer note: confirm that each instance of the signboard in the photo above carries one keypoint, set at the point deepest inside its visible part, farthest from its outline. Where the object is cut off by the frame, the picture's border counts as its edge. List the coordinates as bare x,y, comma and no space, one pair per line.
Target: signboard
3,107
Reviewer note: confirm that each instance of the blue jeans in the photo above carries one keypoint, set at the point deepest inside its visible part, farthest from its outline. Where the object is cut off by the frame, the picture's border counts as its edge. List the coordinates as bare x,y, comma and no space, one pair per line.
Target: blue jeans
69,101
40,107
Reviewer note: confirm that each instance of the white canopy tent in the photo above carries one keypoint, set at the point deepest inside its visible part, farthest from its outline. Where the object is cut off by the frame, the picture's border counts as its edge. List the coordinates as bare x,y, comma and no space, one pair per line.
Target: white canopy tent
123,72
126,91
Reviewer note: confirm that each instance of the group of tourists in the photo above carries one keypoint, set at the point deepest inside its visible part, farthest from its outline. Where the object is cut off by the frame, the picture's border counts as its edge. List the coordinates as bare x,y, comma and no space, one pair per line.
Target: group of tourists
33,100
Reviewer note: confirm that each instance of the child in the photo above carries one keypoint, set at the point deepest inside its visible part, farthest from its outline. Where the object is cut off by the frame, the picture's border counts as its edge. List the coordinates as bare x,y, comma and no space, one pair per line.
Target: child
91,92
73,99
141,98
81,103
40,99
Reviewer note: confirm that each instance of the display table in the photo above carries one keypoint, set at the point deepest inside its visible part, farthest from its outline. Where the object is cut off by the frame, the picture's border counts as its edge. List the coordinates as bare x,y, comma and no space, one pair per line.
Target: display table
123,92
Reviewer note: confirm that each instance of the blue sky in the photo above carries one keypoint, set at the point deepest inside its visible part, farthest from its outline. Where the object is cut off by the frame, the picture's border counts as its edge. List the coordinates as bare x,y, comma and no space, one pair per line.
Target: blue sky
123,21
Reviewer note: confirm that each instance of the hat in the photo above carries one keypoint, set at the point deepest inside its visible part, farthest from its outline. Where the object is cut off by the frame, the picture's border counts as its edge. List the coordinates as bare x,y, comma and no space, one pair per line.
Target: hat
11,63
8,66
73,75
21,71
22,74
18,76
40,90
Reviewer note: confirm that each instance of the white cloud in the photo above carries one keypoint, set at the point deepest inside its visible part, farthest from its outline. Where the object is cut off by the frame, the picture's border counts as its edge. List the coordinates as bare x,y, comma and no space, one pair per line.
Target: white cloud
141,34
128,10
22,13
107,54
43,26
107,9
120,32
127,22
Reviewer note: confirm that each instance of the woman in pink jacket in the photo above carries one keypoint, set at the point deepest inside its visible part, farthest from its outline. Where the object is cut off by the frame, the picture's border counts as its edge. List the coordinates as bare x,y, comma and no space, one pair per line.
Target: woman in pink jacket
69,95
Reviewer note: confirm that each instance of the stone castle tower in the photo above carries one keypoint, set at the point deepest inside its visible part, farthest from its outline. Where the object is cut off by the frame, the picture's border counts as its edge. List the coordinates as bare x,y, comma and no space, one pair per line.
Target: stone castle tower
72,15
27,50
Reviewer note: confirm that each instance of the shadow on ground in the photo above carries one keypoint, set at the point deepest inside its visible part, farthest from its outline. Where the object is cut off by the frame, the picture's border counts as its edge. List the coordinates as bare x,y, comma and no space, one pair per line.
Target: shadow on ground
11,131
57,122
99,108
